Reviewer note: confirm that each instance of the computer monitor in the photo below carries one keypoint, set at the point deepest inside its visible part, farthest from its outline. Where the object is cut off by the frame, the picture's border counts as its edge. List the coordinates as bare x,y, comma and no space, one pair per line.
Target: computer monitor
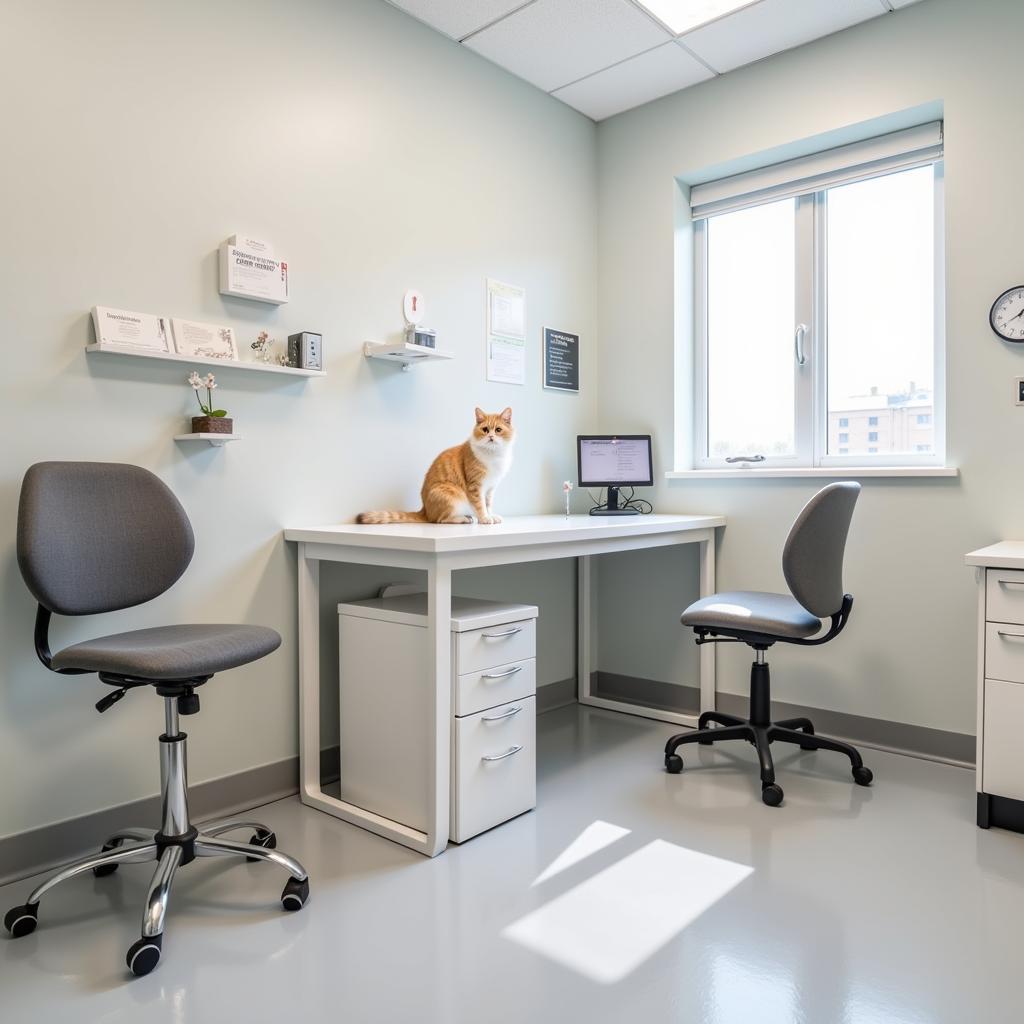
614,461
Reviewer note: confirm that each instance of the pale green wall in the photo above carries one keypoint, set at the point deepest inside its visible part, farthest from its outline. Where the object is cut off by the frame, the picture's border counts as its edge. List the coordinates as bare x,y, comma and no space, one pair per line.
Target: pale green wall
377,155
908,654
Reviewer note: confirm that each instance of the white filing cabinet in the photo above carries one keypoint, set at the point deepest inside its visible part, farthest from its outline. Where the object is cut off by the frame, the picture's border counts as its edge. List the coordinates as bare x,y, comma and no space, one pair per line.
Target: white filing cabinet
1000,767
385,703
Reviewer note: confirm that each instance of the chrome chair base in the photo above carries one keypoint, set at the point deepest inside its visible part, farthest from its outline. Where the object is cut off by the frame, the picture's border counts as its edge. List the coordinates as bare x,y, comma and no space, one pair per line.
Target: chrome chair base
173,846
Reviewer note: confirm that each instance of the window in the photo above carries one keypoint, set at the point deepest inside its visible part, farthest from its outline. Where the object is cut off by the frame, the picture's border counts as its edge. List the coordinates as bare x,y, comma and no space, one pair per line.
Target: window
819,303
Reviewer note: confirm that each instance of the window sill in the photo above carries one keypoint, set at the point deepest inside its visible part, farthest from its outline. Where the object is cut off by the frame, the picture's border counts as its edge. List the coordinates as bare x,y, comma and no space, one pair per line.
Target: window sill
814,472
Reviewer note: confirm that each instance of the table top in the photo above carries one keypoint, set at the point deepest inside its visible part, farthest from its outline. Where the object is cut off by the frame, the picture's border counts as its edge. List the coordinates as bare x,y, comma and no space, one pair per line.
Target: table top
1006,554
515,531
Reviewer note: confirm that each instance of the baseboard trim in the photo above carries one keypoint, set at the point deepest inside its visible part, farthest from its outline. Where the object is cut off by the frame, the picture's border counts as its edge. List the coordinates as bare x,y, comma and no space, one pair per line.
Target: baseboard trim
51,846
553,696
899,737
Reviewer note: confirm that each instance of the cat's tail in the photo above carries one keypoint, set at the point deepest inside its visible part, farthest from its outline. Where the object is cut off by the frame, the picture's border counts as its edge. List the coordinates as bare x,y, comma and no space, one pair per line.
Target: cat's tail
385,517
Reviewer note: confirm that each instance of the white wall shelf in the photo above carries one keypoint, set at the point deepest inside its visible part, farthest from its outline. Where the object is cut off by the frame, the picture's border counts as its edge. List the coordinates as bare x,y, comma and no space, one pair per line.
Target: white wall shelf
404,353
221,364
214,440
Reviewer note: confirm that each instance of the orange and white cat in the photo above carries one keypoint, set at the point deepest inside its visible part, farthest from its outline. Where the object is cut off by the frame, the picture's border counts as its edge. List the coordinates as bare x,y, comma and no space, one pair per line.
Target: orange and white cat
461,481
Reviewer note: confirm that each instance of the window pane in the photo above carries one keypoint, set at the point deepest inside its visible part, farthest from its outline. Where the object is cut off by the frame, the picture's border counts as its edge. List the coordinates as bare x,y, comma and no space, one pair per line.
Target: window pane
881,314
750,309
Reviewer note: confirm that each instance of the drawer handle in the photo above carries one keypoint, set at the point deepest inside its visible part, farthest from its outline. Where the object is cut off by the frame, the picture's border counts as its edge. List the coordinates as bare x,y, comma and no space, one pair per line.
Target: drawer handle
501,757
1002,632
507,632
505,714
503,675
1011,583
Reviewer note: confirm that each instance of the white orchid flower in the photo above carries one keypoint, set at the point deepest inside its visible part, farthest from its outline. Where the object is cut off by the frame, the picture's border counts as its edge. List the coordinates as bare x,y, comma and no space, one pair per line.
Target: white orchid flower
195,380
211,381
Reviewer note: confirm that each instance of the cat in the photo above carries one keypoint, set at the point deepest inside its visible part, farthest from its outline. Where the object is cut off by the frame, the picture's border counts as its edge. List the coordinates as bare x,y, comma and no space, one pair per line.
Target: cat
461,481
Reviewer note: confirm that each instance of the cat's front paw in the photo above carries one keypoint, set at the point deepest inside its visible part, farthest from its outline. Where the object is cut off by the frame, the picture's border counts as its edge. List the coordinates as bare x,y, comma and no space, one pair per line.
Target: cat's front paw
487,520
495,518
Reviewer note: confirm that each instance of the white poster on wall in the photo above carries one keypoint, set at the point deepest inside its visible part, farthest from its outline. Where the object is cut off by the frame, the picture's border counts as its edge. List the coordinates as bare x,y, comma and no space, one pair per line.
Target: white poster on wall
506,333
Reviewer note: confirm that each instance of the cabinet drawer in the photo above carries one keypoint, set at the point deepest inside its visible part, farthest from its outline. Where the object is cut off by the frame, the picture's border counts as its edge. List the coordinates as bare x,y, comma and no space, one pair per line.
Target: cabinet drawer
495,645
1004,595
489,687
1003,756
494,769
1004,651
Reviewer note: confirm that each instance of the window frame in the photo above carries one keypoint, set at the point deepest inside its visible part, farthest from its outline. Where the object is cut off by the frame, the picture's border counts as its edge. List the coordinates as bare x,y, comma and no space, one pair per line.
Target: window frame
811,379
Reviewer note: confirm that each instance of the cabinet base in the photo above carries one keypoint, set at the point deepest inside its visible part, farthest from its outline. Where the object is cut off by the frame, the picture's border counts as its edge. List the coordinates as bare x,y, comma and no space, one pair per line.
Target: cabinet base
1000,811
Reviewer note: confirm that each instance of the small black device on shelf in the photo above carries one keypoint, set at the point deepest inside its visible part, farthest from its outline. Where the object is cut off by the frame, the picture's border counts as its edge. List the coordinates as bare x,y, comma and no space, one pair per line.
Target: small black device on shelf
305,350
615,461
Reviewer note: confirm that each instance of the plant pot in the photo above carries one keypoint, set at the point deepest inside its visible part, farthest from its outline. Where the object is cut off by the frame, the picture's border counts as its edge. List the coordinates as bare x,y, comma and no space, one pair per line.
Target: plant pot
211,424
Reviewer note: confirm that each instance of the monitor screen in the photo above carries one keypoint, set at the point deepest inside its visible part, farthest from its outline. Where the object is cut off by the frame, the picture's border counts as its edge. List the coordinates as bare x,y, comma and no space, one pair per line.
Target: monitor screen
608,460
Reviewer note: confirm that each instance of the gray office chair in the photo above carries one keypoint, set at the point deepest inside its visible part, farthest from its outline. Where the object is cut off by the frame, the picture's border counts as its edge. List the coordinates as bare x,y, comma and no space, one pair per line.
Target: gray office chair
812,563
98,537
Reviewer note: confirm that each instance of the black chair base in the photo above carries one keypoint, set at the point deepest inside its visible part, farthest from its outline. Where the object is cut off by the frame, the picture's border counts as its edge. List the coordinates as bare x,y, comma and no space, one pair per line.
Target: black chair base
760,731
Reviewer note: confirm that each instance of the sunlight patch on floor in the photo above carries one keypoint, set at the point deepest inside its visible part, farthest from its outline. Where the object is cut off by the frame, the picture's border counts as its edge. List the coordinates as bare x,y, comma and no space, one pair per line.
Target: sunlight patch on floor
593,838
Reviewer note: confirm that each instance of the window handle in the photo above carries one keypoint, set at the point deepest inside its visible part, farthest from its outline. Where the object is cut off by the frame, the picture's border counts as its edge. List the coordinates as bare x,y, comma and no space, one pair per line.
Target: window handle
798,344
746,458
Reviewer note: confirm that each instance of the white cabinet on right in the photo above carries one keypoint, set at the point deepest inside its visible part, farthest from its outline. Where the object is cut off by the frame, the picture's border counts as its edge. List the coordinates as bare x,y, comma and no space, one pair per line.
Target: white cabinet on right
1000,758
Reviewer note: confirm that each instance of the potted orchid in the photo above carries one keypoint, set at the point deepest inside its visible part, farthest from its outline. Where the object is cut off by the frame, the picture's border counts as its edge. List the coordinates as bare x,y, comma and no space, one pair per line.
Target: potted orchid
213,421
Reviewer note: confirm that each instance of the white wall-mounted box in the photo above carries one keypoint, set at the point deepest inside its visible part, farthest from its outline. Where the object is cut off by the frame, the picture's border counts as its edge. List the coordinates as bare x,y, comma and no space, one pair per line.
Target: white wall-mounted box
247,274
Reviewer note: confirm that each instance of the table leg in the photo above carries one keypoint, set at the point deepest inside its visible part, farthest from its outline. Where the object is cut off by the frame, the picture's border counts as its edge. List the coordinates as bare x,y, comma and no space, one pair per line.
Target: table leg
439,632
707,651
309,677
584,636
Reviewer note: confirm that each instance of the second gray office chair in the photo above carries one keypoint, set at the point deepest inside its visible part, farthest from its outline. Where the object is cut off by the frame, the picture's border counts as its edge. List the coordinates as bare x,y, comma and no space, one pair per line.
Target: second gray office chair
812,562
98,537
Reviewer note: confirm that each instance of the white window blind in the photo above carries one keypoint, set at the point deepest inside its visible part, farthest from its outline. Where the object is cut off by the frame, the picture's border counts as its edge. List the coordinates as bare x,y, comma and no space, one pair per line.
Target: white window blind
913,147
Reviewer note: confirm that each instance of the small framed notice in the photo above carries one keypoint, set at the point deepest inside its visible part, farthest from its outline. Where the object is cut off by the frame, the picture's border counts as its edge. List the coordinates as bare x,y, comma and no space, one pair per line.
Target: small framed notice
506,333
131,332
253,273
205,341
561,360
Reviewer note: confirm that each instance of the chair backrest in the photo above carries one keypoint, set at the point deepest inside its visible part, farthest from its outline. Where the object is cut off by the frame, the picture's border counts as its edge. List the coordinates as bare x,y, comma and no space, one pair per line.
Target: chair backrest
812,559
98,536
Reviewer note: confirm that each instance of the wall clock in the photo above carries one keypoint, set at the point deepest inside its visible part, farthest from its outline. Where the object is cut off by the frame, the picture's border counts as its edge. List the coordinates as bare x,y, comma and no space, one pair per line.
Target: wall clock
1007,315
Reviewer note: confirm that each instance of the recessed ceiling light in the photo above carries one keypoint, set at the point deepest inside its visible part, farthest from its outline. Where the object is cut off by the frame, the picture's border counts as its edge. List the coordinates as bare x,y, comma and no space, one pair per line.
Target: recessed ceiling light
684,15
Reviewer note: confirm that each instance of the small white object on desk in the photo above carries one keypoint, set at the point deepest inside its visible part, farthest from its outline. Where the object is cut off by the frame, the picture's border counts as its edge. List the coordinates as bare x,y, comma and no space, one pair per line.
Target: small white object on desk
567,488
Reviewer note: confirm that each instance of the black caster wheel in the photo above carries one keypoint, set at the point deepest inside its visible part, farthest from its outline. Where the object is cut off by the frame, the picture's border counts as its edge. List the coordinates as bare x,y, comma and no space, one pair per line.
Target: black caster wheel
295,894
107,869
673,764
143,955
862,776
21,920
267,840
771,795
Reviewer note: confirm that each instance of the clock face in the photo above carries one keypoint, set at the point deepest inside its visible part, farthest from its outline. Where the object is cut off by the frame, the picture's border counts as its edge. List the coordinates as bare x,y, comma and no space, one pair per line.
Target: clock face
1007,316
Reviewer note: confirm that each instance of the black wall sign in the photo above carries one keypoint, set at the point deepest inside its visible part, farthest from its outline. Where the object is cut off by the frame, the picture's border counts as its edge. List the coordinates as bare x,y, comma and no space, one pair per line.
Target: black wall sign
561,360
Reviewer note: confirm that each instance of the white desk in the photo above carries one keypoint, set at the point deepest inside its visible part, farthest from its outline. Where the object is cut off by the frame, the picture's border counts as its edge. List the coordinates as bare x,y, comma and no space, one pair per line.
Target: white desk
439,551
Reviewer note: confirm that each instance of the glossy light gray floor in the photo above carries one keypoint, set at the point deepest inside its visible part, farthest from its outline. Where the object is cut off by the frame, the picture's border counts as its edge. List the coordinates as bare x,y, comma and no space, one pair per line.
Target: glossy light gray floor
881,905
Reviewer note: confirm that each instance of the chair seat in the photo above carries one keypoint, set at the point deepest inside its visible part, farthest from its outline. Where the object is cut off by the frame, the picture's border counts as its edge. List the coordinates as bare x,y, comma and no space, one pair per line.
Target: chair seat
171,652
752,611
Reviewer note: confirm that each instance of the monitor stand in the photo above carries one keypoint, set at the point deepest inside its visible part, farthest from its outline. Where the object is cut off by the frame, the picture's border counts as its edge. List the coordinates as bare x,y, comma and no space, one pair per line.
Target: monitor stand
613,506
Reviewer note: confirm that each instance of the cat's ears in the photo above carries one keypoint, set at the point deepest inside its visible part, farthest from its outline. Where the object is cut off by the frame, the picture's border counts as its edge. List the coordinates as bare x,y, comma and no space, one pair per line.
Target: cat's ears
505,414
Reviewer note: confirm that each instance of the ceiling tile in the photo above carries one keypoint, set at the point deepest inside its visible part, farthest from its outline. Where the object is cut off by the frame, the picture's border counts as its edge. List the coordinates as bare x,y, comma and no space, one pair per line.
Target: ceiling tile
554,42
457,18
772,26
637,80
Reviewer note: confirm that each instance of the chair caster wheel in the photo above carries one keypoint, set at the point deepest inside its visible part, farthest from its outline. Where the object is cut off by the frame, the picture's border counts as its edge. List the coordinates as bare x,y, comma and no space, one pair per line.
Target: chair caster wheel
107,869
143,955
295,894
21,920
862,776
771,795
268,841
673,764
